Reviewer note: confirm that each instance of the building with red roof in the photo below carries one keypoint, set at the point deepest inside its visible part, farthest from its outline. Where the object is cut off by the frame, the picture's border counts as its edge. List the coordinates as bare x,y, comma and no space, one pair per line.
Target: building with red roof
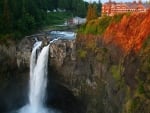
111,8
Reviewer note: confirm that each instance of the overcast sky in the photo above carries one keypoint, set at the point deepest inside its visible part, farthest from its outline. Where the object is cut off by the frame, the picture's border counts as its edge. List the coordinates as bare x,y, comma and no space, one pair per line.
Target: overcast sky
115,0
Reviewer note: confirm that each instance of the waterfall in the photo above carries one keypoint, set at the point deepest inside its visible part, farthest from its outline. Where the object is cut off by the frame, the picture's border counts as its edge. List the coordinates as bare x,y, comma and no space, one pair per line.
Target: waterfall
36,46
38,81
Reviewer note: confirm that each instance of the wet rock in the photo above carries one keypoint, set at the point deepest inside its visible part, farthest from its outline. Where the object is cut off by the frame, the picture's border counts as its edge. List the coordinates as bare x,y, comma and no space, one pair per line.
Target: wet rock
61,50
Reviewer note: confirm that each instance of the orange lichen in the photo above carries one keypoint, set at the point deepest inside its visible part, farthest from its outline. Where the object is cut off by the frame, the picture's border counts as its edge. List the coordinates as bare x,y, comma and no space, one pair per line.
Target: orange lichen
130,32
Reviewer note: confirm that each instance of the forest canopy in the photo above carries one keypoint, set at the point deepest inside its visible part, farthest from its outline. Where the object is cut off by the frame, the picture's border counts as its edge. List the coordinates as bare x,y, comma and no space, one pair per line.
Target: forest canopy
22,17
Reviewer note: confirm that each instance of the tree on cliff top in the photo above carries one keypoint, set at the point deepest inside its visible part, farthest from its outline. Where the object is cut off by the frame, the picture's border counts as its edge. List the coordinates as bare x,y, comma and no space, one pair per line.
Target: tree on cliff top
6,18
91,13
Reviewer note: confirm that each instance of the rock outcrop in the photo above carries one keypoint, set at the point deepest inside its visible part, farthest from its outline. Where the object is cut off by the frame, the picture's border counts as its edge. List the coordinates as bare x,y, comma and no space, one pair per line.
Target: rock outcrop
61,50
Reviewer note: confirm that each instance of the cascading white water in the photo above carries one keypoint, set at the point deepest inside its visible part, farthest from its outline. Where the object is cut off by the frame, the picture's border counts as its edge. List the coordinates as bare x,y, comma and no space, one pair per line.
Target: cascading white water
38,81
36,46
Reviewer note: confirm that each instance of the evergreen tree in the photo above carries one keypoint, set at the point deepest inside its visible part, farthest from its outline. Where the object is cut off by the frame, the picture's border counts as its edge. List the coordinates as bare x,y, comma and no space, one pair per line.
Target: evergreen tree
79,8
24,16
92,12
1,7
99,6
50,4
26,24
63,4
6,18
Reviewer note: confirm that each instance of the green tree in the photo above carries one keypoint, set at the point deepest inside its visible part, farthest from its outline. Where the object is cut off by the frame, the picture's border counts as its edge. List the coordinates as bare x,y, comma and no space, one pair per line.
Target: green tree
51,4
99,7
1,6
24,16
26,24
79,8
63,4
6,17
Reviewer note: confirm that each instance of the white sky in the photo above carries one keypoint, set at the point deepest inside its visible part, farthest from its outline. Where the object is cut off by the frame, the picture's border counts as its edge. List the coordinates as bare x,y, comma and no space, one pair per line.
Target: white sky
103,1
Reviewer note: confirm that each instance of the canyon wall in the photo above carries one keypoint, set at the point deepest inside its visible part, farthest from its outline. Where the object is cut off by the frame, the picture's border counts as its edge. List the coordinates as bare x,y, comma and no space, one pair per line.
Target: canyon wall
106,73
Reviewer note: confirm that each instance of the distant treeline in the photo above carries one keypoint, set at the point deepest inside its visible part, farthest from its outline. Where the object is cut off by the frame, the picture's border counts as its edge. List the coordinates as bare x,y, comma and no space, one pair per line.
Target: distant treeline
25,16
77,7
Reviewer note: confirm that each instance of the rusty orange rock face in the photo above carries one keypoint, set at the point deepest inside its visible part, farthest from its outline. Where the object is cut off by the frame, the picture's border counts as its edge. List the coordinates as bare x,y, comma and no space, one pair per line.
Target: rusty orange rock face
130,32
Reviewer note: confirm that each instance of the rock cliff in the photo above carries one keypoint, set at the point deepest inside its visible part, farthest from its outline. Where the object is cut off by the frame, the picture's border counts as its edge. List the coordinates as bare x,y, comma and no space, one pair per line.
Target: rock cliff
105,74
130,32
100,80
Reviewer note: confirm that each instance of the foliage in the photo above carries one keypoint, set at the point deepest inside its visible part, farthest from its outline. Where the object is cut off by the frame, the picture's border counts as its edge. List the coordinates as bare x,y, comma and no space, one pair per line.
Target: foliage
26,16
139,100
74,6
139,105
91,27
141,88
91,13
102,55
118,17
130,70
99,7
146,43
126,37
54,18
97,26
144,76
26,23
115,72
82,53
104,22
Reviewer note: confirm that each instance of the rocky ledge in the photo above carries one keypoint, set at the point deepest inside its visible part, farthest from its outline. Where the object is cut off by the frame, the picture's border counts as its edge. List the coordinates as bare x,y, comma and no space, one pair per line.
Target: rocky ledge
59,51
